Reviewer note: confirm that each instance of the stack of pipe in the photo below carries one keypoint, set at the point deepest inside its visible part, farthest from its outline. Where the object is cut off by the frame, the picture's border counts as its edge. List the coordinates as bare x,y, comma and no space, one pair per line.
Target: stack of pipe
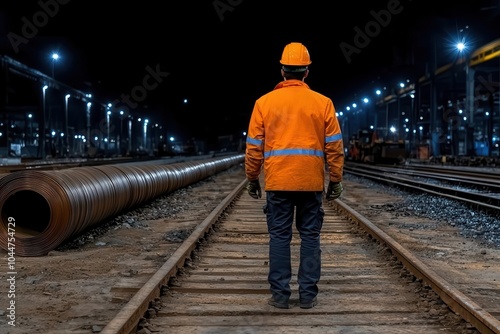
49,207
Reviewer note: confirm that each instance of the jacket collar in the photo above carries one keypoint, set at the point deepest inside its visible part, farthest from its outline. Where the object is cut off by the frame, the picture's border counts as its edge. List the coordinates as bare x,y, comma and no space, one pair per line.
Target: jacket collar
291,83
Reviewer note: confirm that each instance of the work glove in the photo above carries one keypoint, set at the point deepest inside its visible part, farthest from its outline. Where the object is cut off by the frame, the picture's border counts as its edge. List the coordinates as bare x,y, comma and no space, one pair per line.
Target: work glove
334,190
253,188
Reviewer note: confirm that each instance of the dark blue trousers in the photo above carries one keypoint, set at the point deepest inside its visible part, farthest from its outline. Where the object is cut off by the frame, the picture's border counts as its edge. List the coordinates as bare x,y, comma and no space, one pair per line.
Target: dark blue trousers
280,209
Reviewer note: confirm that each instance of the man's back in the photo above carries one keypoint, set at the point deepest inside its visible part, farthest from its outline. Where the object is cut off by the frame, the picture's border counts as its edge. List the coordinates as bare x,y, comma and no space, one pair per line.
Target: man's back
294,120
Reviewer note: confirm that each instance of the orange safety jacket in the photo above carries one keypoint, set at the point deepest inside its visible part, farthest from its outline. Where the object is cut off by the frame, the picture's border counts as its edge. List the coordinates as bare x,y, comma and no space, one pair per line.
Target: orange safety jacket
292,130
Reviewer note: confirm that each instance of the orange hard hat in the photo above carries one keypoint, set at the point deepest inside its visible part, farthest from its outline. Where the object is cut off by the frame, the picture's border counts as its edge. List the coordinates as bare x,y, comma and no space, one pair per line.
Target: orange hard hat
295,54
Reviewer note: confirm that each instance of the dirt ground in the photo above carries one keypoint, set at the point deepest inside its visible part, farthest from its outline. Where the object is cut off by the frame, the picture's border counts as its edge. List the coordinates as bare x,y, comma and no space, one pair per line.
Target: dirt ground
76,288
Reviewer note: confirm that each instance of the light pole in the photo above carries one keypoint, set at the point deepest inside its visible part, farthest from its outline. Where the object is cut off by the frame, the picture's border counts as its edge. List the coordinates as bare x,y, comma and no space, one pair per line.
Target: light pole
130,118
469,102
55,57
146,121
108,114
30,138
89,105
44,88
66,129
120,142
366,111
172,144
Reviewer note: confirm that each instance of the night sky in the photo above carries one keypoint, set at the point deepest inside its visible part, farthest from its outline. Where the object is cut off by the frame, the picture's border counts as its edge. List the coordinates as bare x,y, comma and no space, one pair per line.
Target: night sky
222,55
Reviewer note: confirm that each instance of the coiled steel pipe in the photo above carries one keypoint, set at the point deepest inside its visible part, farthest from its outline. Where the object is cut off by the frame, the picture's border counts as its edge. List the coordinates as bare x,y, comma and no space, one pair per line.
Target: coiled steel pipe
49,207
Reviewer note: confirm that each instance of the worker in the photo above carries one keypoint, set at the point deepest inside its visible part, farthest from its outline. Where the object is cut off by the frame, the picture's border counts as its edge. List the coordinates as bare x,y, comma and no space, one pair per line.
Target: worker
292,131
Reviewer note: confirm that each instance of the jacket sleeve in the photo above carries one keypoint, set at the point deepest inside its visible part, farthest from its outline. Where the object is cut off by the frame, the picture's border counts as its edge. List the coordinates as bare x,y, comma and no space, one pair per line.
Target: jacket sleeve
254,157
334,148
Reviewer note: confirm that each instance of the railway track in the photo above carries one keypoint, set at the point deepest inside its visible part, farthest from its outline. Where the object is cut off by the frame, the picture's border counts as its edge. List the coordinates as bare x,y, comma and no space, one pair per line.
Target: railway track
479,178
203,268
369,283
480,190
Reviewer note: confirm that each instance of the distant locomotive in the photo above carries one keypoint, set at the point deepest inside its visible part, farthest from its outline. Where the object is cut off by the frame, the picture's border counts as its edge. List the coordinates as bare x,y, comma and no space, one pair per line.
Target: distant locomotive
366,147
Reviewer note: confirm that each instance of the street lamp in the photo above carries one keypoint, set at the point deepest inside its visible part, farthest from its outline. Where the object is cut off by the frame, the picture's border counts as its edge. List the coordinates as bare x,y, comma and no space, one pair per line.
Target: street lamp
44,88
89,105
30,139
172,144
130,118
66,130
55,57
120,142
108,114
145,129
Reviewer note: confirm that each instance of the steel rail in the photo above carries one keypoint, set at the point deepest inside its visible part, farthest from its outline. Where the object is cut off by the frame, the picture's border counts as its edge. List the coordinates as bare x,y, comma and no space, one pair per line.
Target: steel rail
486,180
456,300
491,173
128,318
479,200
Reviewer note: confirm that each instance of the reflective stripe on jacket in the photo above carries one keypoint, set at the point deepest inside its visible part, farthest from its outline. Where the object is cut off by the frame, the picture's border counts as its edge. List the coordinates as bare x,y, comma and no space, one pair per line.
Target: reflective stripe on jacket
292,130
